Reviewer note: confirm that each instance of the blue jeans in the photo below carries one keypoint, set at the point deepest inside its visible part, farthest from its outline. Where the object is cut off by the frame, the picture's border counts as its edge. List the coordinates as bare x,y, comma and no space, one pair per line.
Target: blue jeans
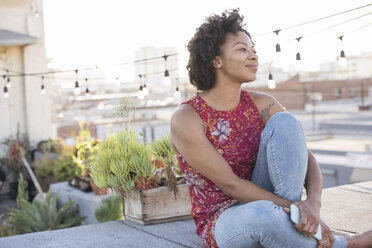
281,169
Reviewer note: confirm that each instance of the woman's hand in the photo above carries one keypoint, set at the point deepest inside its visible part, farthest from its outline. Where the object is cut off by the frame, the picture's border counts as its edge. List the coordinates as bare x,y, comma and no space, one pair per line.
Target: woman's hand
327,236
310,217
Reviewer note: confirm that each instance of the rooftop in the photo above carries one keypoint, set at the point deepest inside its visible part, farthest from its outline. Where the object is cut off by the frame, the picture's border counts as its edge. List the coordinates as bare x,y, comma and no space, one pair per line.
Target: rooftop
345,208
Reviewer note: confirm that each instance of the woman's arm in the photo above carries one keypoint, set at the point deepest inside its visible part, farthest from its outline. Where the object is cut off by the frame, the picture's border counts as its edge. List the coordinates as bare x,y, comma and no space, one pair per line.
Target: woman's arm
313,181
189,139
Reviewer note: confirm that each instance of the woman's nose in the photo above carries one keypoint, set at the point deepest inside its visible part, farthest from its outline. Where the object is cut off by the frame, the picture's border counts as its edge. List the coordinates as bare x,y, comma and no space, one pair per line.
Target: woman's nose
253,56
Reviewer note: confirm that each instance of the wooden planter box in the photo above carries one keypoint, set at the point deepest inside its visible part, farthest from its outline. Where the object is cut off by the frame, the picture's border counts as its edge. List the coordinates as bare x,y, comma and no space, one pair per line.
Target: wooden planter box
157,205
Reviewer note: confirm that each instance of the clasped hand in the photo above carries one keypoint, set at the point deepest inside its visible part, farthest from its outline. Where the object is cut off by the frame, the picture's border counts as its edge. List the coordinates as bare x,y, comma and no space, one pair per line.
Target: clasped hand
309,222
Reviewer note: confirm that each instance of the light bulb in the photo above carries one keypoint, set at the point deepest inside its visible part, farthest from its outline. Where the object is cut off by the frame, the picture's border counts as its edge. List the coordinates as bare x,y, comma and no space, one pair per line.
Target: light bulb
342,62
87,93
342,59
145,90
101,106
8,83
167,81
77,89
6,94
140,93
271,83
177,94
42,91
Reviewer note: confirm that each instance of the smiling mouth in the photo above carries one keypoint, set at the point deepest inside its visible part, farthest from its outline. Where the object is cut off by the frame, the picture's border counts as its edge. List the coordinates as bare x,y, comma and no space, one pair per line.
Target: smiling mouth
252,66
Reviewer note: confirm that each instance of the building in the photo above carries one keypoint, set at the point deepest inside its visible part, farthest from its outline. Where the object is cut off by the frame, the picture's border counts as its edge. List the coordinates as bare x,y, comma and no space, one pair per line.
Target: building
294,94
22,50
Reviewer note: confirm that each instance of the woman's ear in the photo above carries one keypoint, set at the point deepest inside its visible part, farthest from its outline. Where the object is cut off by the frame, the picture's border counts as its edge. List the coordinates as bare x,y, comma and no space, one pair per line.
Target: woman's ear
217,62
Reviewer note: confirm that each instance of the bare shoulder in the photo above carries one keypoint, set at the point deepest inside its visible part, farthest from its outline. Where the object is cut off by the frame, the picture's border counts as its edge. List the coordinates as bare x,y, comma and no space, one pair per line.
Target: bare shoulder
266,104
184,115
185,120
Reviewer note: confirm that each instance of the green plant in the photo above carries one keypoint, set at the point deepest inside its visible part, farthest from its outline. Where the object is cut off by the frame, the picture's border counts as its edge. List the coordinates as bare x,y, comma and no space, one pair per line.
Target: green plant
44,167
162,149
13,145
6,229
65,168
32,217
123,111
120,161
111,209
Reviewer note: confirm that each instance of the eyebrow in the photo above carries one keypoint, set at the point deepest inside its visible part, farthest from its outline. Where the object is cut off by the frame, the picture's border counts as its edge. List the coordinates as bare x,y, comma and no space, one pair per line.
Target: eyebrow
240,42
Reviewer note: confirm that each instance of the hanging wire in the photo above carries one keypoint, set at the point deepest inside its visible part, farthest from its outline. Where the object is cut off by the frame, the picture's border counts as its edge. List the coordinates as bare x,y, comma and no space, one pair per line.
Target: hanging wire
330,27
20,74
315,20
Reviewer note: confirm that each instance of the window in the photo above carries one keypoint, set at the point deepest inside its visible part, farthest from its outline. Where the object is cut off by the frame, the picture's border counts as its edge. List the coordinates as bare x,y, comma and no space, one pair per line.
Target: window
351,92
338,92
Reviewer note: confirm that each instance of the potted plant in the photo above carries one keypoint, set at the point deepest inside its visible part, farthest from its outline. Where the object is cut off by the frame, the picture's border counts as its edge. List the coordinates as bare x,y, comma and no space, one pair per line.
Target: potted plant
125,164
85,146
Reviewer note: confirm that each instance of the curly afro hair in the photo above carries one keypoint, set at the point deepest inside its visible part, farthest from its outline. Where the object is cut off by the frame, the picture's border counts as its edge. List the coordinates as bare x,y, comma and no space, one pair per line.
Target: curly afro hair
206,43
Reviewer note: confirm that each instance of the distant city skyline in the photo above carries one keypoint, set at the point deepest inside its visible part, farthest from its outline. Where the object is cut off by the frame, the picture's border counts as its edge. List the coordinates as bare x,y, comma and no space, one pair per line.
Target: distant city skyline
82,33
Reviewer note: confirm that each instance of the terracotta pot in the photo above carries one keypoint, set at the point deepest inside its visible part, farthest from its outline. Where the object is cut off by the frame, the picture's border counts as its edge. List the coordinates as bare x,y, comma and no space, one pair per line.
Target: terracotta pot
97,190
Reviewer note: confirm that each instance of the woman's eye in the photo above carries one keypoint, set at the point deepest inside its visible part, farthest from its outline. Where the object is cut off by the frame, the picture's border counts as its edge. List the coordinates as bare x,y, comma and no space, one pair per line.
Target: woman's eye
242,49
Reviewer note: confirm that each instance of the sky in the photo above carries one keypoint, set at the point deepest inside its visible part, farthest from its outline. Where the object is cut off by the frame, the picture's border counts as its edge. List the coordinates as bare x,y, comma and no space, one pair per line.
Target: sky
80,33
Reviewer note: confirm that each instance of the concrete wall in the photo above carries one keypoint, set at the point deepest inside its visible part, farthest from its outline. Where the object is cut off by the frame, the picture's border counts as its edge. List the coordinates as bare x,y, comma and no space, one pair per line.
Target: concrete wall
25,105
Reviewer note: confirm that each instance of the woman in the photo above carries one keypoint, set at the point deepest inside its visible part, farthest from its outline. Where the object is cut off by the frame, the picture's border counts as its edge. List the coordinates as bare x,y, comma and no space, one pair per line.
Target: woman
243,157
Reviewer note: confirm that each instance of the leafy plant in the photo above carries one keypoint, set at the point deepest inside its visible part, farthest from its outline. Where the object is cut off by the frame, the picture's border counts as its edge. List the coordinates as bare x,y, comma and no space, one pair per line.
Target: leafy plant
6,229
14,145
111,209
123,111
32,217
44,166
120,161
64,168
162,149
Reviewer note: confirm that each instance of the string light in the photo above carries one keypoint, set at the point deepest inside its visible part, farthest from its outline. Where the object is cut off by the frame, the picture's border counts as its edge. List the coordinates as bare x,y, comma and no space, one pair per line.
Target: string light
8,83
342,59
42,88
298,55
167,79
145,89
34,9
177,93
77,90
277,47
316,20
6,94
87,93
140,93
271,83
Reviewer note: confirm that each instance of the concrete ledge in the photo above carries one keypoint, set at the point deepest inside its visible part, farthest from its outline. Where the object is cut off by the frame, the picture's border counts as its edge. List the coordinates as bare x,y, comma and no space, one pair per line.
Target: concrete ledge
345,208
88,202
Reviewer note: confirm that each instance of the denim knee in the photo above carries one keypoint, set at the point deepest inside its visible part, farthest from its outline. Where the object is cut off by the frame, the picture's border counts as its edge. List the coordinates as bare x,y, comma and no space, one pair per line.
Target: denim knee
260,213
283,120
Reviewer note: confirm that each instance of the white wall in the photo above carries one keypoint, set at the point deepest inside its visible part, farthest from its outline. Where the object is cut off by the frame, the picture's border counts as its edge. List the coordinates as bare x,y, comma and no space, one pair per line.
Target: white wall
25,105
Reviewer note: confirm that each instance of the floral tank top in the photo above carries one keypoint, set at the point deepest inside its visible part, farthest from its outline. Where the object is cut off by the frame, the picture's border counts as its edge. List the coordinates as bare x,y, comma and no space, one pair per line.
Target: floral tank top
236,135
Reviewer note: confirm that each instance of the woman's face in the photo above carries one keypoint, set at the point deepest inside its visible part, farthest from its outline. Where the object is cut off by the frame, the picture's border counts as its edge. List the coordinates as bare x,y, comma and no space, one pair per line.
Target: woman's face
238,59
